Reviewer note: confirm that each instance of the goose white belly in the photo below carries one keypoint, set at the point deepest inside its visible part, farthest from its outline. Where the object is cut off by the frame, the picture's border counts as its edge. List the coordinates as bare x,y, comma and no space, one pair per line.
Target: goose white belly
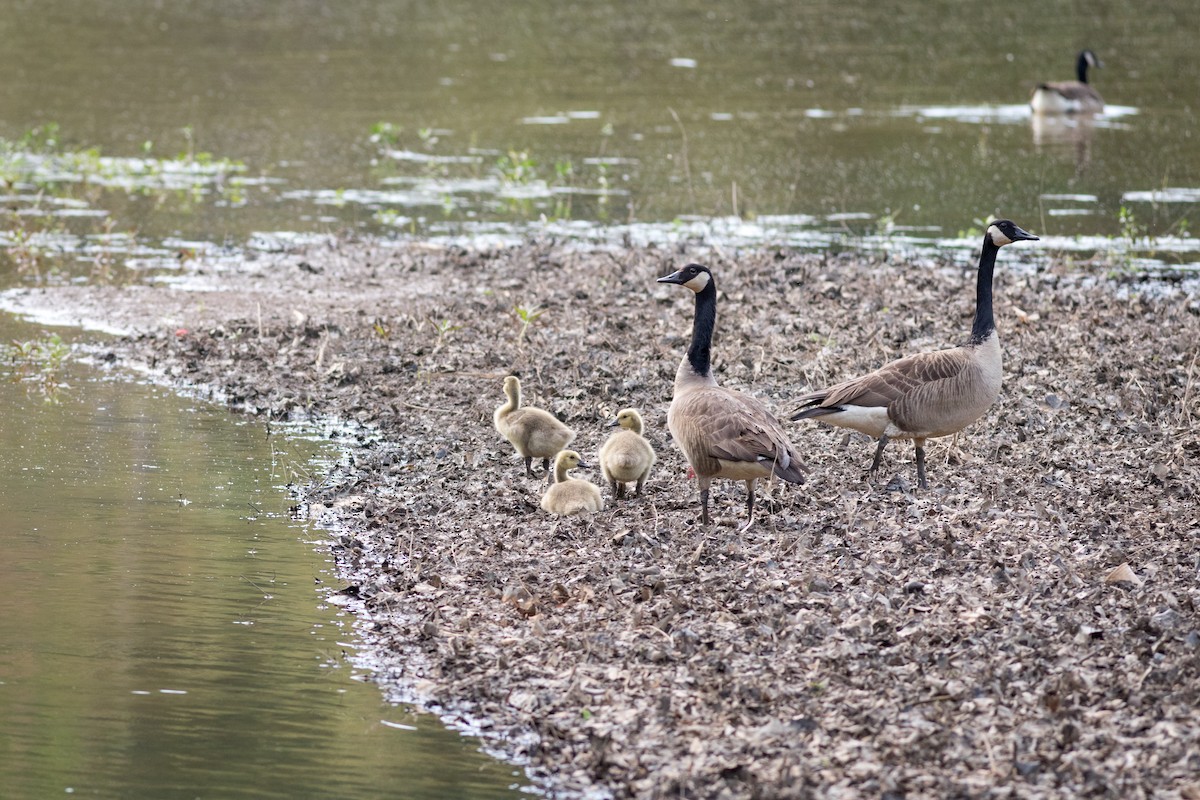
1048,101
871,420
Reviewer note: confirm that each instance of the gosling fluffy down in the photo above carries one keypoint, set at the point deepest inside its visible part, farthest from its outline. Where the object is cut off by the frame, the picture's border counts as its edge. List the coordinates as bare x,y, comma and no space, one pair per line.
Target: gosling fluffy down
567,497
533,432
626,457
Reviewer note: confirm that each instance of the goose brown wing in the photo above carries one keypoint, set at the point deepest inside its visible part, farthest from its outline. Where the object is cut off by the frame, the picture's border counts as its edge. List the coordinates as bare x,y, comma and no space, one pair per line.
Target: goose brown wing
739,428
896,380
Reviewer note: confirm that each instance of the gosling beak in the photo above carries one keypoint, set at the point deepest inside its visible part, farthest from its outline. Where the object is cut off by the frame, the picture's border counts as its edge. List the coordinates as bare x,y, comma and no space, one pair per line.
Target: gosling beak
583,465
613,424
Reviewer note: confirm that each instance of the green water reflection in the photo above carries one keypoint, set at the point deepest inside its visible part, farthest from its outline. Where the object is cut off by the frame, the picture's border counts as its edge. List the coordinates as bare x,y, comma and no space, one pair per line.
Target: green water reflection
780,108
162,626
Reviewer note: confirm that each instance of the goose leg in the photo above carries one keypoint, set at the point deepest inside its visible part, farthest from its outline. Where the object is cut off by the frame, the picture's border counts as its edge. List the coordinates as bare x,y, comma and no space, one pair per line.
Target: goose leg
642,482
883,440
546,465
529,466
619,489
704,484
921,463
749,507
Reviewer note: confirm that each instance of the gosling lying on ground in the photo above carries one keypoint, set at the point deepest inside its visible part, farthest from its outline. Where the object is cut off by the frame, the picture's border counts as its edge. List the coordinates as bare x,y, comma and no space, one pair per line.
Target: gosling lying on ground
626,456
534,432
569,496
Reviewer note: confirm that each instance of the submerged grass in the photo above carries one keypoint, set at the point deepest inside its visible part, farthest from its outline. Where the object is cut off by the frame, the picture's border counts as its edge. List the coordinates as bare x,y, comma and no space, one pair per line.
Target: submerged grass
38,364
56,197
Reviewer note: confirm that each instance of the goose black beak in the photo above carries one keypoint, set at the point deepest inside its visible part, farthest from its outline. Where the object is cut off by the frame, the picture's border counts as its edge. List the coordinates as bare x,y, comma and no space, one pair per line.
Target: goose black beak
1020,235
675,277
583,465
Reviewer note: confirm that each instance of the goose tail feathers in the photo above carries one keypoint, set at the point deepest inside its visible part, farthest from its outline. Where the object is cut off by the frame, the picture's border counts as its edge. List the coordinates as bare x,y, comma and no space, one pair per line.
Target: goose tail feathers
792,472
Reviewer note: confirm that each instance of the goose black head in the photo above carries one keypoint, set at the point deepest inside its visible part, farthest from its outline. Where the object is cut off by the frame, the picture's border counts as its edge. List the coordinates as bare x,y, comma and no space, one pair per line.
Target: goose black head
1005,231
694,276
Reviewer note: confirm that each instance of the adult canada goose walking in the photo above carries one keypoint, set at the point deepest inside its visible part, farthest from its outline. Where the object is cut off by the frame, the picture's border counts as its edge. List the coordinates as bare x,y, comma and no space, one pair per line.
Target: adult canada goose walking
723,433
534,432
567,497
926,395
1070,97
626,456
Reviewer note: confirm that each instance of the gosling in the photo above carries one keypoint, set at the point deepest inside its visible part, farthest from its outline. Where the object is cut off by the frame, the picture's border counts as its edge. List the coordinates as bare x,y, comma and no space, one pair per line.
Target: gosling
626,457
567,497
533,432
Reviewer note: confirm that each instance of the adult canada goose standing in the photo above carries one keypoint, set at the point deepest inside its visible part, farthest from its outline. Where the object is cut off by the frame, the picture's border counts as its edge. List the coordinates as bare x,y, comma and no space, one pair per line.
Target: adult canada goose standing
626,457
534,432
569,496
926,395
1070,97
723,433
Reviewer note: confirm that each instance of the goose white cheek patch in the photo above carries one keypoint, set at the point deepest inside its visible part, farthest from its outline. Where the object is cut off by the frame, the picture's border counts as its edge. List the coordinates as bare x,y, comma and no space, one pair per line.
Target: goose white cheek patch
998,237
698,283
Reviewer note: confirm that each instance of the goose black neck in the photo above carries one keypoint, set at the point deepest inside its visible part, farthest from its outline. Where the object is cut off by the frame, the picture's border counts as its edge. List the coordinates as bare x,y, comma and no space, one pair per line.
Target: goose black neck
985,323
699,354
1081,68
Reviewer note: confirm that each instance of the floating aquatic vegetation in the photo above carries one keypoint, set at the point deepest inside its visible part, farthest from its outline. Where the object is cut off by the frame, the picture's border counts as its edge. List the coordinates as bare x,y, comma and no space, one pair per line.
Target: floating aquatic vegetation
38,364
57,198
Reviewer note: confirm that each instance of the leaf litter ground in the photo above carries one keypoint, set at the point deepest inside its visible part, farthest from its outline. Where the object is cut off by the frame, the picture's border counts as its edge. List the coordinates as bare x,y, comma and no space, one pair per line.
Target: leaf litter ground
1027,627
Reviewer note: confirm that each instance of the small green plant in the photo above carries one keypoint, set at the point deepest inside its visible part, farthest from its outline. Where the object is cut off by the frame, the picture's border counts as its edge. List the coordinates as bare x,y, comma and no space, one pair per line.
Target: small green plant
885,223
427,137
564,171
443,329
1131,228
516,167
381,330
41,139
386,216
385,134
38,363
526,316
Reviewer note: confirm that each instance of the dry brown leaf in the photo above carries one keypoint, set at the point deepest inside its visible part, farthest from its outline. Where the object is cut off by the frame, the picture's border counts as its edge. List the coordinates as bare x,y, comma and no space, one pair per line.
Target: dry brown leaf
1123,574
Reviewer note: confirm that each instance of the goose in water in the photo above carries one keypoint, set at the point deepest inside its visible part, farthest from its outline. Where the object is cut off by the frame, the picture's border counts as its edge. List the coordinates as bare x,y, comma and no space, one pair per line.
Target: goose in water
1070,97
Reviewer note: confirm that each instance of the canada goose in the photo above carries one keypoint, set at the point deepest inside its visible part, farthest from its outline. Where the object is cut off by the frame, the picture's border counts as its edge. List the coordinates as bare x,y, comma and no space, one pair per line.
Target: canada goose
569,496
723,433
626,456
926,395
535,433
1070,97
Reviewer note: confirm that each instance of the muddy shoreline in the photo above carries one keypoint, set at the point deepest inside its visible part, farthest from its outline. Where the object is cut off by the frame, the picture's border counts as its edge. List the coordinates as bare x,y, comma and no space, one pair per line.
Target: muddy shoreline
863,639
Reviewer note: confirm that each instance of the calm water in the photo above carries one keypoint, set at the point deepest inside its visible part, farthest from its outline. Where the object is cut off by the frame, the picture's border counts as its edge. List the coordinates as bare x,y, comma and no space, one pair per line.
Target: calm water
163,629
840,117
